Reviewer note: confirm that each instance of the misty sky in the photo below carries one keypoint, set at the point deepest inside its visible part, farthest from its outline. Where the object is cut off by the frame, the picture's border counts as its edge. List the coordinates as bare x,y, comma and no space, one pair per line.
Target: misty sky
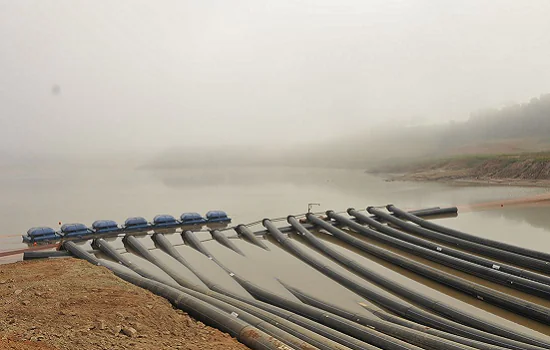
97,76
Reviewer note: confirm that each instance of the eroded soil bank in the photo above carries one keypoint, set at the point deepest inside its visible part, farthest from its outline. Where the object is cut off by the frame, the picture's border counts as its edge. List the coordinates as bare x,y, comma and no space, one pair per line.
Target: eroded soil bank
530,169
71,304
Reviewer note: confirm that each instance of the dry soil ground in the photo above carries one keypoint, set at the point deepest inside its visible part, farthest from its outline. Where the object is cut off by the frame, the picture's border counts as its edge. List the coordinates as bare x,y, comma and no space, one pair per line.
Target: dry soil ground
70,304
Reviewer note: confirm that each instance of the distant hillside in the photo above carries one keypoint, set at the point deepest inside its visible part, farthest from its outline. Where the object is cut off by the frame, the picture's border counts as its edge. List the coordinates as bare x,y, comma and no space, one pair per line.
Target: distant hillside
520,127
510,130
519,169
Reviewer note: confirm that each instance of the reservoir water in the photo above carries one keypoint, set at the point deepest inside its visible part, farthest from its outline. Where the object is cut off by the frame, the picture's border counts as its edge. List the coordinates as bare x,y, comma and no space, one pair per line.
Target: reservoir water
250,194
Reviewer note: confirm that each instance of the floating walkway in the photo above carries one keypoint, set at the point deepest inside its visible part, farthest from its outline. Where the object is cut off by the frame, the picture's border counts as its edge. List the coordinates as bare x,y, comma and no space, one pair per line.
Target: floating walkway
346,280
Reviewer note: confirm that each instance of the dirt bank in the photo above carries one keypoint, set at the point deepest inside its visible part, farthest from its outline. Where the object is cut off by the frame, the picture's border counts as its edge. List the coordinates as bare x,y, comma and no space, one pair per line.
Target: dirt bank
71,304
518,170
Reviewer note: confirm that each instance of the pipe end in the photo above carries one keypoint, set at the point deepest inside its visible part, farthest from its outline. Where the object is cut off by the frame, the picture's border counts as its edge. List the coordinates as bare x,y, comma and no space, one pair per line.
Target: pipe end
350,210
369,209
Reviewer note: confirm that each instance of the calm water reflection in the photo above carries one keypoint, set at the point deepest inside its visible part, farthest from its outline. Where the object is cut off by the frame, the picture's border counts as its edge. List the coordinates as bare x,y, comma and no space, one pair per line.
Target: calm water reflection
85,195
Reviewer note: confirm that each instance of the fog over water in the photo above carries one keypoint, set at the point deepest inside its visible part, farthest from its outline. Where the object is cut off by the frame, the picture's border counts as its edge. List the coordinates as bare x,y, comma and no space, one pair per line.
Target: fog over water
115,109
121,108
86,78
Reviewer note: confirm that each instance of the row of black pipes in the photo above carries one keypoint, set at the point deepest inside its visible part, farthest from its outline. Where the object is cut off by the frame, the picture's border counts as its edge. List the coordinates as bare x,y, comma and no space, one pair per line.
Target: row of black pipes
270,320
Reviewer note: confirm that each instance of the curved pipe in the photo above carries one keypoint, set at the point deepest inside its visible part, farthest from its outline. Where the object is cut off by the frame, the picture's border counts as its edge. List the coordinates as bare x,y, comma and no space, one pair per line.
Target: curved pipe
349,263
265,311
391,303
353,329
296,330
452,257
223,240
191,239
466,236
516,259
337,331
335,339
472,328
395,321
424,213
496,265
503,300
244,332
250,236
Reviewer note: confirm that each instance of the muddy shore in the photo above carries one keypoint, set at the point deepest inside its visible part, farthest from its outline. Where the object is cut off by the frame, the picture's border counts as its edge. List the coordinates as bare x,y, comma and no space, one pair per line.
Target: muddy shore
462,179
71,304
525,170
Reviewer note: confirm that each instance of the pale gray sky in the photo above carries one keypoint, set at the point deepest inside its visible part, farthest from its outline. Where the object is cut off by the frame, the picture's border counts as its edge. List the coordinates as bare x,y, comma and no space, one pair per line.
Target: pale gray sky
151,75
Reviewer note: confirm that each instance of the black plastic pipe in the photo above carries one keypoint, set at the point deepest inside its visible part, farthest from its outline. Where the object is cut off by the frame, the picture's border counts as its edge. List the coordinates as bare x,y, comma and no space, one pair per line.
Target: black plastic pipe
302,327
466,236
300,330
267,327
263,310
223,240
360,317
191,239
453,258
337,256
325,331
458,322
211,315
352,329
424,213
247,233
136,246
341,331
517,305
31,255
496,265
107,249
512,258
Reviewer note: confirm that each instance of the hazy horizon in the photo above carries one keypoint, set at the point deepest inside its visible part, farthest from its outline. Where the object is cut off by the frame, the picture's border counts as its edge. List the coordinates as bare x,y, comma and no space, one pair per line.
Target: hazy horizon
133,77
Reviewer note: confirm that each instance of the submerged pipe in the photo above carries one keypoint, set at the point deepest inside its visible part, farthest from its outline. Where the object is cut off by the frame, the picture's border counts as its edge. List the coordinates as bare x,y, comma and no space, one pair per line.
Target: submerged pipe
424,213
514,258
295,330
473,328
223,240
394,304
136,246
164,244
452,257
342,259
334,321
479,260
432,211
306,324
191,239
517,305
358,316
267,327
280,318
247,334
337,331
352,329
466,236
247,233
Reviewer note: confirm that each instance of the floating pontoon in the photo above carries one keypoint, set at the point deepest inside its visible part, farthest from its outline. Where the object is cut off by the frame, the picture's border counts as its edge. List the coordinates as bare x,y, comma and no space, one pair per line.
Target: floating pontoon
40,234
